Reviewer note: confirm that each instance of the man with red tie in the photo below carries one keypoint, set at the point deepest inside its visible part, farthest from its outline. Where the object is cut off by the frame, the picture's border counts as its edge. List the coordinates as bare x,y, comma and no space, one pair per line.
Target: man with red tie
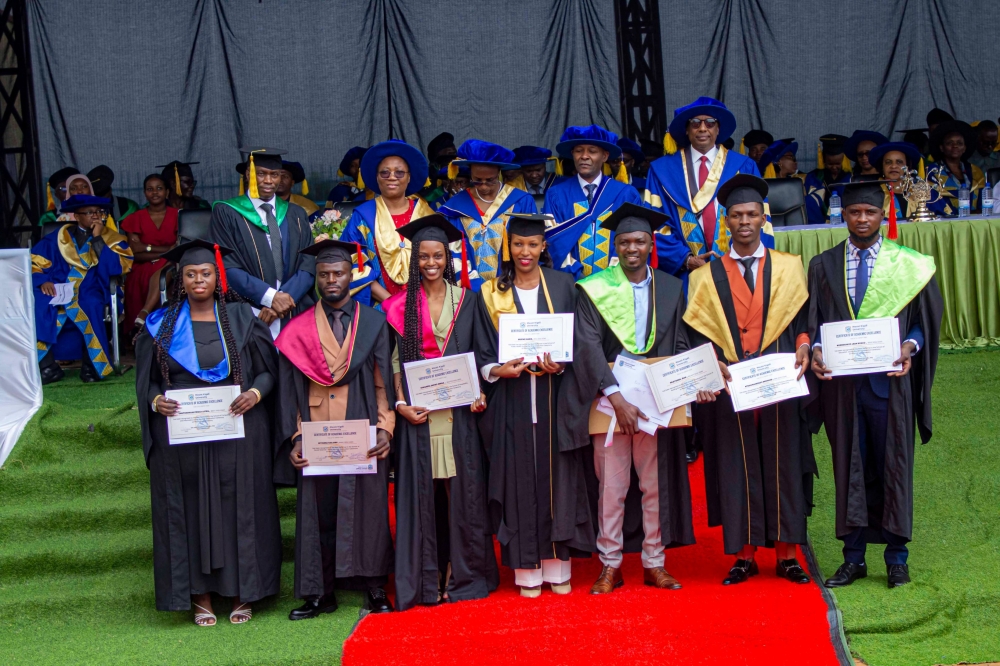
684,183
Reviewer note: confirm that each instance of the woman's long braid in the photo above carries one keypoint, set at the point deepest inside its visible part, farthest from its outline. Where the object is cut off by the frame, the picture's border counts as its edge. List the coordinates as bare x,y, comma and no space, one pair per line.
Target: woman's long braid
412,347
235,363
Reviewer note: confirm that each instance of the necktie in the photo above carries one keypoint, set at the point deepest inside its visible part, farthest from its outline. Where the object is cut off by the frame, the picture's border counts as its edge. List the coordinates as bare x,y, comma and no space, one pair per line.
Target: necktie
747,273
275,234
338,326
590,187
861,280
708,213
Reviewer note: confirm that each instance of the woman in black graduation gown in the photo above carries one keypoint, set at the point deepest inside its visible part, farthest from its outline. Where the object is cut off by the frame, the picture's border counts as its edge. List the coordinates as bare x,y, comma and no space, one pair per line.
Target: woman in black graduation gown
447,556
215,513
530,480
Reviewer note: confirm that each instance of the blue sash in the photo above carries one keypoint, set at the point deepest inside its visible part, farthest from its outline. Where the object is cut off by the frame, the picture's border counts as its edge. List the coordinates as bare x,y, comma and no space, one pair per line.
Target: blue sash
182,346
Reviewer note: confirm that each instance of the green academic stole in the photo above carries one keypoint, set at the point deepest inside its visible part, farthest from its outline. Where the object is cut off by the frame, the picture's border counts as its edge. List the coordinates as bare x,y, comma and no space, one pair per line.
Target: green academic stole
245,208
612,294
898,276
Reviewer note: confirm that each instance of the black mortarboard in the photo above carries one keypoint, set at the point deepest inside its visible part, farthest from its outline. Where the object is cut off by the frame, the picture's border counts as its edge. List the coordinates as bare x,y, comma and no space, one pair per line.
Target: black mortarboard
61,175
196,252
331,251
101,177
265,158
869,192
729,144
631,217
172,172
295,169
442,140
952,127
435,227
742,188
833,144
937,116
757,136
528,224
652,149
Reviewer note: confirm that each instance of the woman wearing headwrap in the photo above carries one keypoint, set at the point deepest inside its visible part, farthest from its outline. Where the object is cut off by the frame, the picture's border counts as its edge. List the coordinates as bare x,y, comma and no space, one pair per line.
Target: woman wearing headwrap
952,144
395,171
439,457
215,513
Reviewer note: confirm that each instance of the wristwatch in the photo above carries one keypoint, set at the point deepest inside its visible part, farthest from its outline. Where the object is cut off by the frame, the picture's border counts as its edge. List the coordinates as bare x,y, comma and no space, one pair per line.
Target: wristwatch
149,248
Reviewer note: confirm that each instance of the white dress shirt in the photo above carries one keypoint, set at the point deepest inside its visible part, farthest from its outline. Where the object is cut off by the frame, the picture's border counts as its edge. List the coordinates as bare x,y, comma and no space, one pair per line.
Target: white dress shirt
758,254
257,203
583,183
529,303
696,156
641,311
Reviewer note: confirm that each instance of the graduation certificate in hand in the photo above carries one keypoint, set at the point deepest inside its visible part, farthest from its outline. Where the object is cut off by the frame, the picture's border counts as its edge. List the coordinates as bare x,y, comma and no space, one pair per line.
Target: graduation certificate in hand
764,381
338,447
675,381
861,346
440,383
204,415
533,336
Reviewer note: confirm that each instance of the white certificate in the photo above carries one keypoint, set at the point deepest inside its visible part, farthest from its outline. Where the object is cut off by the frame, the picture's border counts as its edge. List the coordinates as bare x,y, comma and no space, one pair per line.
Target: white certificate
764,381
861,346
326,451
532,336
634,387
64,293
675,381
204,415
440,383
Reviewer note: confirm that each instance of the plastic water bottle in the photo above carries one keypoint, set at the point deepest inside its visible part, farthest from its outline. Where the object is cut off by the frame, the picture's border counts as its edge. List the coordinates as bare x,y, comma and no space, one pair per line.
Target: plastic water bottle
987,198
835,216
964,201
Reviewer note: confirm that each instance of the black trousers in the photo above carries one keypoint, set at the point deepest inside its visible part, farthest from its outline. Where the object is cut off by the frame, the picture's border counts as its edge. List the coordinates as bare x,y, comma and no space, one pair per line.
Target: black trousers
327,502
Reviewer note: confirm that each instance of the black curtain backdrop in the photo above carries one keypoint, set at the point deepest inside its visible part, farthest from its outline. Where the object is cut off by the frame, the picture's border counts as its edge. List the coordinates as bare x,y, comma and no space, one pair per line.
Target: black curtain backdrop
134,83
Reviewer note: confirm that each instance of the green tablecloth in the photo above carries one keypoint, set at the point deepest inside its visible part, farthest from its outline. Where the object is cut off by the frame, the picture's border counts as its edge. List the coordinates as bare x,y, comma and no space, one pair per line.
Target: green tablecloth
967,253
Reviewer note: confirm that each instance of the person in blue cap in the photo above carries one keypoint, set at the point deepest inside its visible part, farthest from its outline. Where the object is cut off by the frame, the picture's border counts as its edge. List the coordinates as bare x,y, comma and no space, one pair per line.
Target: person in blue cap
684,184
858,148
351,189
832,168
532,161
395,171
893,159
292,174
952,143
780,160
84,255
481,211
448,187
631,156
577,243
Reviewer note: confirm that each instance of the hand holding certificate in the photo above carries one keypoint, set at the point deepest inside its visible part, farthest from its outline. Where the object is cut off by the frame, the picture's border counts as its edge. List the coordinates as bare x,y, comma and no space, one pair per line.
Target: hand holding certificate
440,383
338,447
676,381
532,336
861,346
764,381
203,415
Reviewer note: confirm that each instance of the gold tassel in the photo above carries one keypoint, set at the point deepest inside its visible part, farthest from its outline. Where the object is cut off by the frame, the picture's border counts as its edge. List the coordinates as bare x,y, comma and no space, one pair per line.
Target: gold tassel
559,167
920,169
505,242
305,187
820,164
340,174
427,183
242,191
360,181
177,181
669,145
622,175
743,148
50,204
252,180
769,171
606,169
845,164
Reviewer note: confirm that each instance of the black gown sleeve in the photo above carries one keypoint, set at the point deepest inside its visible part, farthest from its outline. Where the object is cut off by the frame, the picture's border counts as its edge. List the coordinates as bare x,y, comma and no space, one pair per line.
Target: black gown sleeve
263,381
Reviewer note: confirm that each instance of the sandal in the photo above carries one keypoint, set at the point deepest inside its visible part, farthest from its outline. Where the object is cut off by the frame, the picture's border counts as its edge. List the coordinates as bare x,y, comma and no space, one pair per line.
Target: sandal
202,619
241,610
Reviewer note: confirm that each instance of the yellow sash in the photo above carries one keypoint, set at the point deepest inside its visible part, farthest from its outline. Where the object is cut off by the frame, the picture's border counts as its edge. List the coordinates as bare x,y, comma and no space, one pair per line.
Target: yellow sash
707,191
395,256
502,302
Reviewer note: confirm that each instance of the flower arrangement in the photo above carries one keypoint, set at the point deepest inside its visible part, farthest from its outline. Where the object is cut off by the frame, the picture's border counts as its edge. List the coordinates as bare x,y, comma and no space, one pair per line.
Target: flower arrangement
329,225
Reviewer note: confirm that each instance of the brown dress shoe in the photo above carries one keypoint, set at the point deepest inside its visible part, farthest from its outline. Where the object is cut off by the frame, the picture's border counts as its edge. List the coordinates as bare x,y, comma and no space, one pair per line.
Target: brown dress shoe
658,577
609,579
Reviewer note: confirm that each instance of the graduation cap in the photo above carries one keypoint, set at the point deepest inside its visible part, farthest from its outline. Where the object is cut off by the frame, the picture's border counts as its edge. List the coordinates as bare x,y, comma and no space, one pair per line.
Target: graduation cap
297,173
630,217
742,188
438,143
953,127
474,151
415,160
200,252
632,148
528,155
436,227
528,224
331,251
589,135
869,192
265,158
355,153
78,201
755,137
59,176
775,152
851,146
676,135
101,177
831,145
172,172
729,143
937,116
913,157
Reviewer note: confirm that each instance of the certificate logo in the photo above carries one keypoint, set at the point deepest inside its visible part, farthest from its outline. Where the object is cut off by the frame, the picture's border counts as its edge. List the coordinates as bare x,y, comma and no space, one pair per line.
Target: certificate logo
427,371
847,328
326,428
523,324
621,364
190,396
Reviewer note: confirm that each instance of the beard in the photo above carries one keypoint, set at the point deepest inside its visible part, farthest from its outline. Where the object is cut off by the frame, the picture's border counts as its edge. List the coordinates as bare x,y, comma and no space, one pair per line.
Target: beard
864,240
333,298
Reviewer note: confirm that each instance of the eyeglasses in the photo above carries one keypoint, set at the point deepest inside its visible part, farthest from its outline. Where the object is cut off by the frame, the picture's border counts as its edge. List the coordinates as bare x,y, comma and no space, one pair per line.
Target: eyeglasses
862,153
93,213
386,174
484,183
707,122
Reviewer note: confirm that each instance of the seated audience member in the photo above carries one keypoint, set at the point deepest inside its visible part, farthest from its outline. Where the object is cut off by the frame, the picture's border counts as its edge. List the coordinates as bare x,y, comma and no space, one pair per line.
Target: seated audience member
83,254
893,159
101,178
986,156
857,149
952,144
532,160
631,157
441,150
352,189
151,231
780,161
832,168
292,174
755,142
56,194
180,181
937,116
916,137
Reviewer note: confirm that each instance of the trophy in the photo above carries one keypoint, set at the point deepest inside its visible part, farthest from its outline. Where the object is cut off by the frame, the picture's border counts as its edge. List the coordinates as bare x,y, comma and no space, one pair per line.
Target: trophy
919,192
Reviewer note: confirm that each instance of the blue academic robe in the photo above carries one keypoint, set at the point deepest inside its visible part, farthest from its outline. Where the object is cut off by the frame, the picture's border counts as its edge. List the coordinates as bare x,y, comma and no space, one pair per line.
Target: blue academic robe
577,244
667,190
818,194
947,204
483,233
345,192
57,258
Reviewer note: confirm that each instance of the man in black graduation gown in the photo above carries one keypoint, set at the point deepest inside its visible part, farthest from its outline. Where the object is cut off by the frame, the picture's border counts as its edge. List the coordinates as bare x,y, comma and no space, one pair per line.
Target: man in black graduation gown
650,326
869,418
180,181
334,358
751,303
266,234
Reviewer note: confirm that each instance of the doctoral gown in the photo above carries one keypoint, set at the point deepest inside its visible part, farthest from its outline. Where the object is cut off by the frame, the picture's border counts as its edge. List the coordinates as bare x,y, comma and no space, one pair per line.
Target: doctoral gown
583,382
818,194
530,478
363,540
912,295
757,467
215,512
473,560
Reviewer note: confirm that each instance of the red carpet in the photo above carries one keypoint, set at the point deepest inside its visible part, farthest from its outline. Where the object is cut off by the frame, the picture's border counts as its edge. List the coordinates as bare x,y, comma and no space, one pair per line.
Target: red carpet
766,620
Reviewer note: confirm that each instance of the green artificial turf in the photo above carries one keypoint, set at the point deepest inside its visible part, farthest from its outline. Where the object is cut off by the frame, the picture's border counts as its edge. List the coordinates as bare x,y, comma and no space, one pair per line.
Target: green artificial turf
76,563
950,613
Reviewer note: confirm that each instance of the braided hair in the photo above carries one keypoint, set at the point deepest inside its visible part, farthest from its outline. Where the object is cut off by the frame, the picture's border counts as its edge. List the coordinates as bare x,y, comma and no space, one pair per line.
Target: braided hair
412,348
166,333
505,276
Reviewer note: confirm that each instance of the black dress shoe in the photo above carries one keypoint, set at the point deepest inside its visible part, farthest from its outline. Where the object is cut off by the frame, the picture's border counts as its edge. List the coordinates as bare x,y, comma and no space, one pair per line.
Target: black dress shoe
791,570
899,575
741,570
691,456
51,374
377,601
847,574
314,608
88,375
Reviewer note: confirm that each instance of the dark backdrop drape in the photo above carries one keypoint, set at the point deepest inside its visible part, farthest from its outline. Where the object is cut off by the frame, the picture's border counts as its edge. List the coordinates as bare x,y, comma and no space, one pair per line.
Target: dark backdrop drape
135,84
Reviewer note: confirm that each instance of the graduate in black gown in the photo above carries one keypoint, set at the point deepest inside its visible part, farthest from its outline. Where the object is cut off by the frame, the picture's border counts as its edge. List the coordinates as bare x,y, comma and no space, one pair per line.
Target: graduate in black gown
608,323
438,453
334,366
869,418
215,513
530,479
752,303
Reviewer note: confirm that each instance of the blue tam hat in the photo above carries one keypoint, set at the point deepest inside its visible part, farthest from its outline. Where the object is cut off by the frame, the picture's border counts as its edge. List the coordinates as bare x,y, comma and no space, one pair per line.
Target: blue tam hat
851,146
879,152
355,153
778,149
474,151
632,148
528,155
394,148
463,171
703,106
591,135
78,201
